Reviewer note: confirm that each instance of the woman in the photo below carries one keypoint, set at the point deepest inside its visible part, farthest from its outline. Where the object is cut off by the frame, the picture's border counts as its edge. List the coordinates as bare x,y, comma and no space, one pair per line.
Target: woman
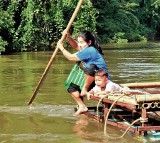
81,78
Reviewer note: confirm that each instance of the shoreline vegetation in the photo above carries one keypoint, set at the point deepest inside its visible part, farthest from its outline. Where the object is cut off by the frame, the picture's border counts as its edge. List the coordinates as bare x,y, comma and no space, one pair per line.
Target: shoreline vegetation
109,46
37,25
131,45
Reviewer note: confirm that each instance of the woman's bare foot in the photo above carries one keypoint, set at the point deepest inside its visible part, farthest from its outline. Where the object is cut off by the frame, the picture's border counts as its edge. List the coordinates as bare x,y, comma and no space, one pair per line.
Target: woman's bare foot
80,111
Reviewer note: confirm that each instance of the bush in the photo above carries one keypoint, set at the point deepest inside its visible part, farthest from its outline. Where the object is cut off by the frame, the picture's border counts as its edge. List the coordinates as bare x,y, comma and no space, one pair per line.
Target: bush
2,45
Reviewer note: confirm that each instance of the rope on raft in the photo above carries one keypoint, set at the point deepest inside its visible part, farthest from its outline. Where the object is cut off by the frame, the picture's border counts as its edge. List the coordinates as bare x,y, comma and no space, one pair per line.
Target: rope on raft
106,95
106,118
99,103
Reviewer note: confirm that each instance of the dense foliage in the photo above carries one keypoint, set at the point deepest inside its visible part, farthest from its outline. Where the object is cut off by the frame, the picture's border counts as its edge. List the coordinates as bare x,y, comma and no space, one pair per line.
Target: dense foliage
27,25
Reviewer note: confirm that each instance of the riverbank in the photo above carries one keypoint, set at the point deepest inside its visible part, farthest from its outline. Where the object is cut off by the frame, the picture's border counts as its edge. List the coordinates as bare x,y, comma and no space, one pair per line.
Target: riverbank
131,45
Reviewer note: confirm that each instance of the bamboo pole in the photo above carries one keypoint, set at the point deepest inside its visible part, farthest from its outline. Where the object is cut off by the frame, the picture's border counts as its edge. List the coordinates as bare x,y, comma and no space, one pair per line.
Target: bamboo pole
147,97
142,85
135,99
124,99
55,53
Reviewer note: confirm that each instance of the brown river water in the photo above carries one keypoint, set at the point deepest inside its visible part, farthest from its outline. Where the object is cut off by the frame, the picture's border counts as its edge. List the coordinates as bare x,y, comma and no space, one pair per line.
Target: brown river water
50,118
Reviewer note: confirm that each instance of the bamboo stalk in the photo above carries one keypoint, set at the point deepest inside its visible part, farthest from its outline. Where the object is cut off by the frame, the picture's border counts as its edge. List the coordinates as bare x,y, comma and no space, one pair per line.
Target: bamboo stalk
142,85
54,54
135,98
147,97
124,99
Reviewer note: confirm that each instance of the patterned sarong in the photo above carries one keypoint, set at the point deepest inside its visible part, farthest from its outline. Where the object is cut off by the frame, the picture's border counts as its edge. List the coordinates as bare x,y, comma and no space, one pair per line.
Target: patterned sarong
76,76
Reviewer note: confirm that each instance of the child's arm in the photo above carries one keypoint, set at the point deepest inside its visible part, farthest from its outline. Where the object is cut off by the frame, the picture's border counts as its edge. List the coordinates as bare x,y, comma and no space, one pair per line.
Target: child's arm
101,93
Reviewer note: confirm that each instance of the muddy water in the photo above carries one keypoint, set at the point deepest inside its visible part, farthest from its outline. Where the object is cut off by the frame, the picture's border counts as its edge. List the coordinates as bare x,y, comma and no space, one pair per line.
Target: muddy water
49,119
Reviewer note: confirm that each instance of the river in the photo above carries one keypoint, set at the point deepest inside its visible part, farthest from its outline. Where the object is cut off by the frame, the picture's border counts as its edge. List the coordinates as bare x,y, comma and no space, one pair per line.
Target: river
49,119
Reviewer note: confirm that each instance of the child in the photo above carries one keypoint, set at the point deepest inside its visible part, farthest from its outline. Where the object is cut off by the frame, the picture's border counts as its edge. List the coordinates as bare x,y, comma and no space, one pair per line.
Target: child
103,85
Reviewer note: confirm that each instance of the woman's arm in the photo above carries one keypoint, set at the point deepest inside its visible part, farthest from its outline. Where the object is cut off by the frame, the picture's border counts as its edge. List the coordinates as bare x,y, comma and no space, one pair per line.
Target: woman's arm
67,55
71,41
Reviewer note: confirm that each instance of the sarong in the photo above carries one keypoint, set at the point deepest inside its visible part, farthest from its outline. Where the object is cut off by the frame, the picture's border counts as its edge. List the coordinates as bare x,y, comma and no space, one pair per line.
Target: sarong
76,76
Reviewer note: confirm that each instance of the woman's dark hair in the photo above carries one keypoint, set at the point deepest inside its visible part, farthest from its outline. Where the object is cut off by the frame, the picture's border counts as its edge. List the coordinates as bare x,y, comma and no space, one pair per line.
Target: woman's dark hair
87,36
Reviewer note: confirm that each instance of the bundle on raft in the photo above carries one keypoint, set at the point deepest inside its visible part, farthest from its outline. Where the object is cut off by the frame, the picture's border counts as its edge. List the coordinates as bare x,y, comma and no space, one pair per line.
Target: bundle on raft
133,99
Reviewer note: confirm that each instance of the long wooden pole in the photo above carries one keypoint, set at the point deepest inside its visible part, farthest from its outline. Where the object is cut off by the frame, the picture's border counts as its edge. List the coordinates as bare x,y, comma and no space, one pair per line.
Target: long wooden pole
55,53
142,85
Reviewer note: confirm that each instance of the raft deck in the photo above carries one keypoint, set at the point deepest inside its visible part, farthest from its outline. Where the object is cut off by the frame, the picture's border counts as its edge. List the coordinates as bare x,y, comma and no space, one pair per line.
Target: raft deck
128,108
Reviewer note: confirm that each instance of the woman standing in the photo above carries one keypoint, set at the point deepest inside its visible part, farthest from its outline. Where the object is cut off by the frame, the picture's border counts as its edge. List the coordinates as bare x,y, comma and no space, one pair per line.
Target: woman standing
88,59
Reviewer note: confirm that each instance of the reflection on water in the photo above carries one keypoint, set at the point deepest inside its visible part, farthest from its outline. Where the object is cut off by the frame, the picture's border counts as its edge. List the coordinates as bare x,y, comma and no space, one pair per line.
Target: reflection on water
50,119
92,132
92,135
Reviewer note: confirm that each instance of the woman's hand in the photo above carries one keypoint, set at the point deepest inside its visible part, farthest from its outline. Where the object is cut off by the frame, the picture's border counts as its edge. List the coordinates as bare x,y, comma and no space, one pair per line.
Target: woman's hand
84,92
71,41
60,45
66,33
89,95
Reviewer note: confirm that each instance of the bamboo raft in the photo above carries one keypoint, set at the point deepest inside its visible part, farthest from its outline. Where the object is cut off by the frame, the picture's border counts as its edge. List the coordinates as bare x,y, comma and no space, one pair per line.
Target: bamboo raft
129,107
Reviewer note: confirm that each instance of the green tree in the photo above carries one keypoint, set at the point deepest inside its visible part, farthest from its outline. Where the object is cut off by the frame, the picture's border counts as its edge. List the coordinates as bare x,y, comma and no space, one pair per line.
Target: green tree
43,22
27,25
117,20
7,24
